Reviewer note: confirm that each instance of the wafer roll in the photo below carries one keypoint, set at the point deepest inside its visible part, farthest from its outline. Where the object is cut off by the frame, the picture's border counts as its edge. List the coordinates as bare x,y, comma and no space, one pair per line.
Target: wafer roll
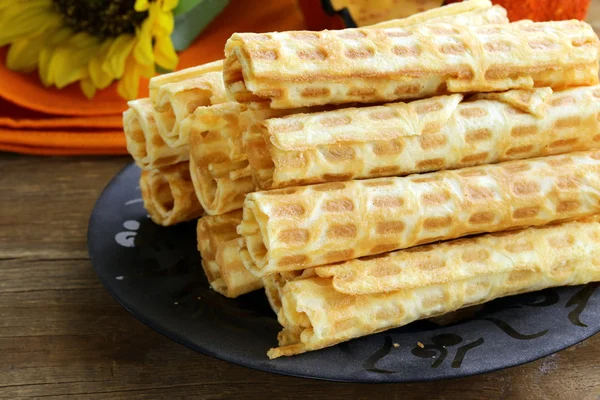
296,69
221,188
143,141
183,75
295,228
405,286
215,134
215,230
421,136
235,280
175,101
218,246
471,13
168,194
275,283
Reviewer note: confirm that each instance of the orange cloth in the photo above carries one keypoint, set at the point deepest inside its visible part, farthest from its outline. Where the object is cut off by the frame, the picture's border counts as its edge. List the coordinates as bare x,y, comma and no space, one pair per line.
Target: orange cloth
38,120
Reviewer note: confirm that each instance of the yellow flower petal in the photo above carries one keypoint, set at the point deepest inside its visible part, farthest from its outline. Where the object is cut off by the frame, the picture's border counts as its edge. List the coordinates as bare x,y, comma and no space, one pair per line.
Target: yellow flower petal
25,18
87,87
114,63
70,60
164,25
169,5
129,84
24,53
46,74
141,5
143,48
165,54
99,77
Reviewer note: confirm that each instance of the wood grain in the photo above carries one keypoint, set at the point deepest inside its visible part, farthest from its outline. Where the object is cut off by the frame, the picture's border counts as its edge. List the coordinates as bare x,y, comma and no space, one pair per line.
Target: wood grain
62,336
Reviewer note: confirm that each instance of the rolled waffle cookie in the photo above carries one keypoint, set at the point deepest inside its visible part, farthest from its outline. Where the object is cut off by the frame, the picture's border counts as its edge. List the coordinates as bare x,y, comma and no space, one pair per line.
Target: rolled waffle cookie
297,69
183,75
442,132
401,287
168,194
218,246
215,134
175,101
235,280
144,143
213,231
221,188
295,228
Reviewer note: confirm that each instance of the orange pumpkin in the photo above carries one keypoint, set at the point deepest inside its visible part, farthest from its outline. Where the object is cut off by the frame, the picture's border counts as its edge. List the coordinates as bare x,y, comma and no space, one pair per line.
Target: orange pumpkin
543,10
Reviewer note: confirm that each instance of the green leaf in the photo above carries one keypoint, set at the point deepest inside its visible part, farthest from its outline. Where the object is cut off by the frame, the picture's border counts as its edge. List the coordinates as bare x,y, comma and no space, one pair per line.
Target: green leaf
191,23
185,5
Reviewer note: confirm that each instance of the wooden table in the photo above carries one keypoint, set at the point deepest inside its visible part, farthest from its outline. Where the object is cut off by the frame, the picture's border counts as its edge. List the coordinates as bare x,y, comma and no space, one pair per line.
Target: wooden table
63,336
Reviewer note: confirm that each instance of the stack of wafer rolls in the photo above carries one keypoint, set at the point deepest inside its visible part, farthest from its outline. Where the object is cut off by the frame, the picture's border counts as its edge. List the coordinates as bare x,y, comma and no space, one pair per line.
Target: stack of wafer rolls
218,156
362,158
215,132
158,145
345,253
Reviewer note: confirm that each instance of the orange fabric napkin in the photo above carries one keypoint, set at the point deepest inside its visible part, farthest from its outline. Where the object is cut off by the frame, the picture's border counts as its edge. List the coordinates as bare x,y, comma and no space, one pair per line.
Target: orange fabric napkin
38,120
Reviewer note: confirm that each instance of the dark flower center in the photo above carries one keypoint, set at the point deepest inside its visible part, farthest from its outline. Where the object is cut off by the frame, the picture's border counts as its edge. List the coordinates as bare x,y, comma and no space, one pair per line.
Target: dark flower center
101,18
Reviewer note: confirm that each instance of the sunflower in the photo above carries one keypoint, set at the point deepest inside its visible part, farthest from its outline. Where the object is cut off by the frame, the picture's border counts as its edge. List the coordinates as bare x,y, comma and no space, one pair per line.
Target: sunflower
94,42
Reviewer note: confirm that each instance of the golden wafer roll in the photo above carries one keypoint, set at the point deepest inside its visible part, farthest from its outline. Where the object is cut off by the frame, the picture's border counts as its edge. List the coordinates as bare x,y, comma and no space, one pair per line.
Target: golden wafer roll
472,13
425,135
295,228
158,81
144,143
302,68
218,246
215,132
275,283
234,279
175,101
401,287
168,194
221,188
214,230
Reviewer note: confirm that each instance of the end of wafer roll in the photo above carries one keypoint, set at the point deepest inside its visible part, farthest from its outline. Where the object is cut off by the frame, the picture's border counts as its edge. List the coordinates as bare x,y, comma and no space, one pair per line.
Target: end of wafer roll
175,101
235,280
144,143
183,75
221,188
212,231
214,134
168,195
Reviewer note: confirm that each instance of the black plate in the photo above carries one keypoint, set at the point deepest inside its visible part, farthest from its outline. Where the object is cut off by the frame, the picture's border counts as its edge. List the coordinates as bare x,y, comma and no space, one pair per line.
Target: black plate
155,273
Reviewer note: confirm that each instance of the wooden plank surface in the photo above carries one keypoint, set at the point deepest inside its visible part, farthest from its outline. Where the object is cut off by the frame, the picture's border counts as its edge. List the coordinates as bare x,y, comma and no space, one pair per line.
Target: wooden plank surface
62,336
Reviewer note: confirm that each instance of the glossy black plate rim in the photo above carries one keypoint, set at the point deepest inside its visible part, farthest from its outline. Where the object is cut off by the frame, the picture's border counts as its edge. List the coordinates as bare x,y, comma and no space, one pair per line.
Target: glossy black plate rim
224,356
